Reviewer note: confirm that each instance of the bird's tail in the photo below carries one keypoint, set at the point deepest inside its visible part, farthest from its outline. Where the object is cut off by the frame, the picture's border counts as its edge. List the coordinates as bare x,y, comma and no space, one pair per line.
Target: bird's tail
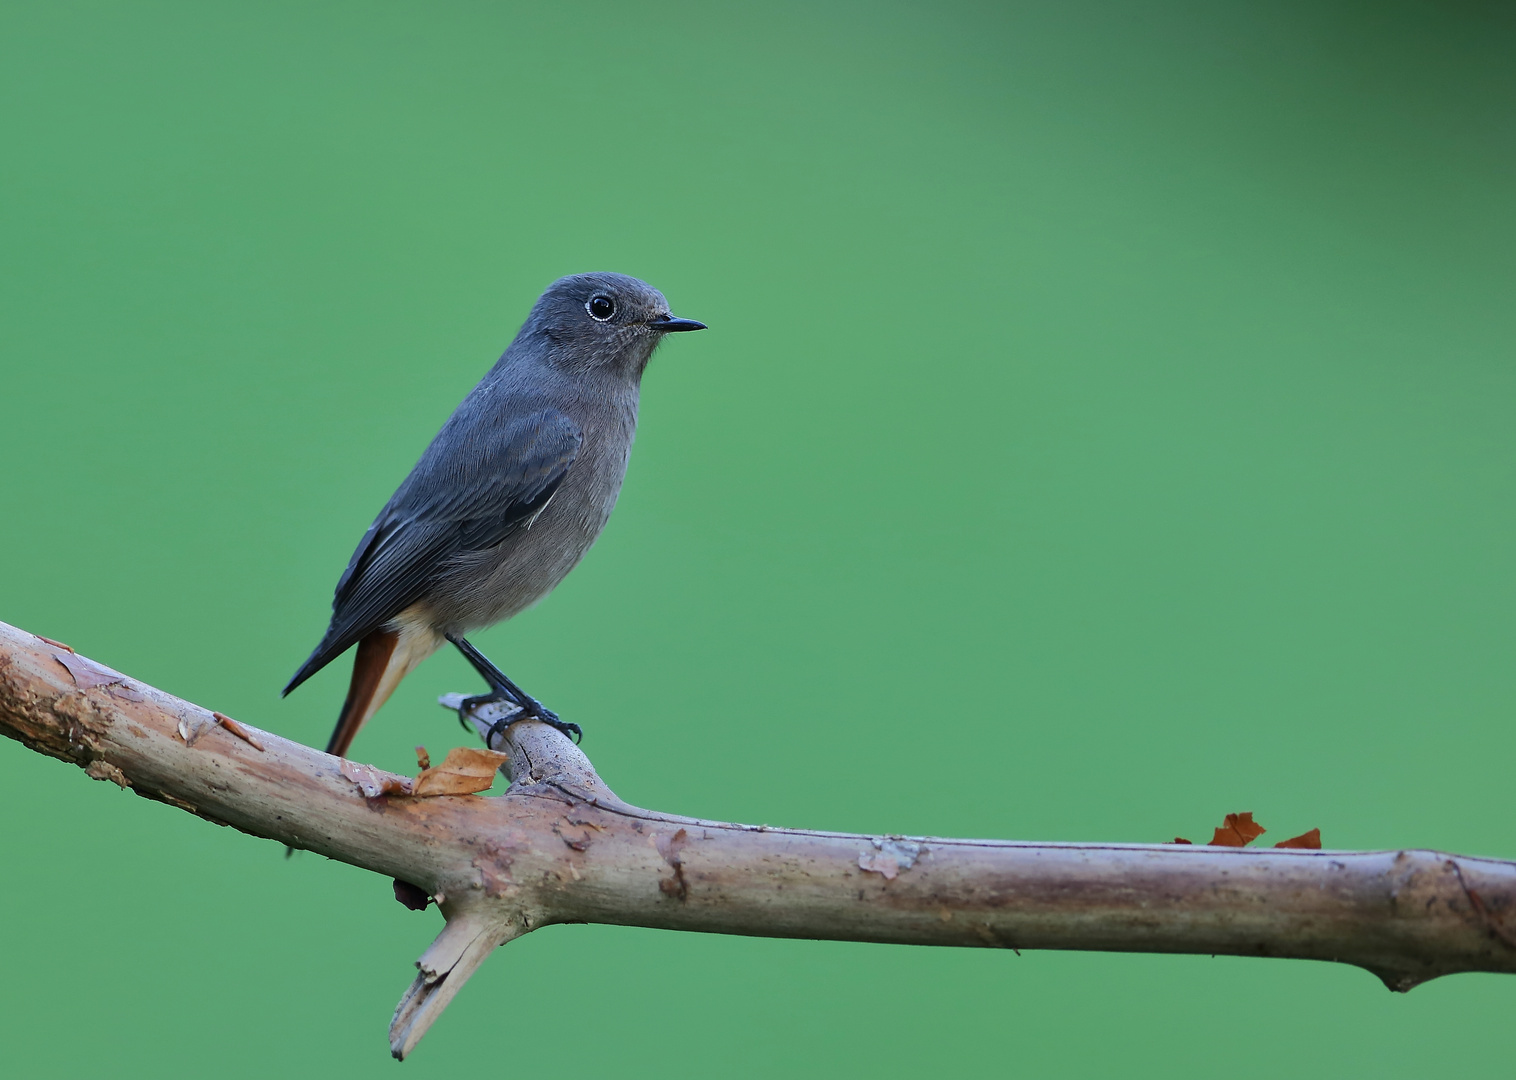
383,658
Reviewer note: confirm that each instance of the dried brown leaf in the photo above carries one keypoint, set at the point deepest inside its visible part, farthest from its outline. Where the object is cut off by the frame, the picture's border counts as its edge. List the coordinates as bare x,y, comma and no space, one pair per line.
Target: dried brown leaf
1181,840
1311,839
465,770
423,759
1239,830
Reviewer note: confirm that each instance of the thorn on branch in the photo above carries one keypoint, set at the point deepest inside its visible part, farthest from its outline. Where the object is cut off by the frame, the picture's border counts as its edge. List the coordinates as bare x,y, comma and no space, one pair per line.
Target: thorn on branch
238,729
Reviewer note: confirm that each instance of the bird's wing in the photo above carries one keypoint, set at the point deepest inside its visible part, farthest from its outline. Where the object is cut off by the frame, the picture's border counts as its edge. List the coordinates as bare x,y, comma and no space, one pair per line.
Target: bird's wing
466,494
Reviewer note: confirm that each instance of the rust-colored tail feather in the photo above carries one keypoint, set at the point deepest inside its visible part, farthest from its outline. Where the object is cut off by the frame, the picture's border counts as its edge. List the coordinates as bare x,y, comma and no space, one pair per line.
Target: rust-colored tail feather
369,664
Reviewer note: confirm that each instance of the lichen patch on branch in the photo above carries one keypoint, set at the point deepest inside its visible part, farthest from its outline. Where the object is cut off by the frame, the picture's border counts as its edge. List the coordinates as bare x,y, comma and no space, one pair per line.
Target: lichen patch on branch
891,855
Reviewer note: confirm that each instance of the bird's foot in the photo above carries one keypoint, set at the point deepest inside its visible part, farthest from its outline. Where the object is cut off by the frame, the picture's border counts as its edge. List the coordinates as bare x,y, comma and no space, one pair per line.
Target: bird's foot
537,711
564,727
502,689
530,709
548,717
469,704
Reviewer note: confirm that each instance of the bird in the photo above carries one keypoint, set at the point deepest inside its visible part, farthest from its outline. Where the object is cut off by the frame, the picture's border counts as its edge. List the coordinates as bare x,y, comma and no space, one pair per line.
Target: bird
505,500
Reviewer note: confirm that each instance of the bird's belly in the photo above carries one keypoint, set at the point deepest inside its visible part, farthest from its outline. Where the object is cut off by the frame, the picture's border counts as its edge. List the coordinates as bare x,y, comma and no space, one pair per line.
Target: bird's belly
485,587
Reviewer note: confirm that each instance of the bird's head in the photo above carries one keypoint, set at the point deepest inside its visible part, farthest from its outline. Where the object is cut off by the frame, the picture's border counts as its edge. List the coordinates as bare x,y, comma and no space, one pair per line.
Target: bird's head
602,321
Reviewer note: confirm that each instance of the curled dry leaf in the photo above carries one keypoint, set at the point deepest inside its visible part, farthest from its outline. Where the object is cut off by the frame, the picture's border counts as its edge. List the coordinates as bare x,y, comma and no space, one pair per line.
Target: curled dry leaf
239,729
1311,839
375,782
1238,830
464,771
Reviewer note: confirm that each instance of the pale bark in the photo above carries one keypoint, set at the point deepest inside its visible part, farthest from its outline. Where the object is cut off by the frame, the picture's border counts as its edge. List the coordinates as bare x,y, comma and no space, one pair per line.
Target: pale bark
559,846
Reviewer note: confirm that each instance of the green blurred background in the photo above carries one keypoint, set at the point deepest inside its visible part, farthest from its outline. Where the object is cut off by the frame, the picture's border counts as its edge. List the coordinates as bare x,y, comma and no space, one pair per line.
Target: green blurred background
1115,398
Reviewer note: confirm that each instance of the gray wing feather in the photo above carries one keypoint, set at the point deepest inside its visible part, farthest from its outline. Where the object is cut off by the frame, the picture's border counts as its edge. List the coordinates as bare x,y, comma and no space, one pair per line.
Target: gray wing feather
470,491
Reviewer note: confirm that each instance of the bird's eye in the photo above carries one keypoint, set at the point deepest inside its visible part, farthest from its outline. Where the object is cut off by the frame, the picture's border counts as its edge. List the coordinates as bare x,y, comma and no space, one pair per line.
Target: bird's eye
601,308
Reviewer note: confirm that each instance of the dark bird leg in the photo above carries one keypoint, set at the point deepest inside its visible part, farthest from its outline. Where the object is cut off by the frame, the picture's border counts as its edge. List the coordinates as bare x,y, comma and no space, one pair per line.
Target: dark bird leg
503,689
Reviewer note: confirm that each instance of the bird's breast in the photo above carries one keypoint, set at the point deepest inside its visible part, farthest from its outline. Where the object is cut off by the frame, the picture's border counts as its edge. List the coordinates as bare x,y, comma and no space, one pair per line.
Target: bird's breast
485,587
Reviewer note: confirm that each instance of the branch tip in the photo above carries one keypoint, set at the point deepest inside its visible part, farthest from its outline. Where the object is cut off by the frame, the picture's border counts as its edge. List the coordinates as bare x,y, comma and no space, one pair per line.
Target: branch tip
447,964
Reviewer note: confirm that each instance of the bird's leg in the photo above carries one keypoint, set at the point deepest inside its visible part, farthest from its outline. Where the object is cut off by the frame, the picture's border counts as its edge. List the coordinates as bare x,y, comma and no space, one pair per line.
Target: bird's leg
503,689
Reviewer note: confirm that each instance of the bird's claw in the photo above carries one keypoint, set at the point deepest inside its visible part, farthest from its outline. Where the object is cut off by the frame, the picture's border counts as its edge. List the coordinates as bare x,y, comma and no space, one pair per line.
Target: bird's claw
537,711
573,731
563,727
469,704
531,710
498,728
534,709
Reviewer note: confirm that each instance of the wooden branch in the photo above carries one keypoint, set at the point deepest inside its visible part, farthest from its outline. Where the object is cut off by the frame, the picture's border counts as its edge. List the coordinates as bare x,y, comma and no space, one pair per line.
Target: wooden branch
559,846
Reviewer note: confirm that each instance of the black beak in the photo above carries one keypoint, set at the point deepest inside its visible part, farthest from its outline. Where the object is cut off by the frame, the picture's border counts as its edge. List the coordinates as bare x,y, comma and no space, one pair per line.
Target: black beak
667,324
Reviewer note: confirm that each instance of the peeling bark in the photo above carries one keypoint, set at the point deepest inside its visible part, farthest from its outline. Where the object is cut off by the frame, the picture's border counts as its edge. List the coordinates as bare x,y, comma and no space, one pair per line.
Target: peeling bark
559,846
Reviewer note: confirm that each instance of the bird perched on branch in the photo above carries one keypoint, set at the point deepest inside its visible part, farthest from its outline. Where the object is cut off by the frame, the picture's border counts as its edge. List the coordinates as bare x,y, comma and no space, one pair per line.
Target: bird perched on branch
506,499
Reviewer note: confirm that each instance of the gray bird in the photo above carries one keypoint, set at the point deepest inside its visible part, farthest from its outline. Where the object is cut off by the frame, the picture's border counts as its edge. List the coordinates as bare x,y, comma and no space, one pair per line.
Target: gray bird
505,501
